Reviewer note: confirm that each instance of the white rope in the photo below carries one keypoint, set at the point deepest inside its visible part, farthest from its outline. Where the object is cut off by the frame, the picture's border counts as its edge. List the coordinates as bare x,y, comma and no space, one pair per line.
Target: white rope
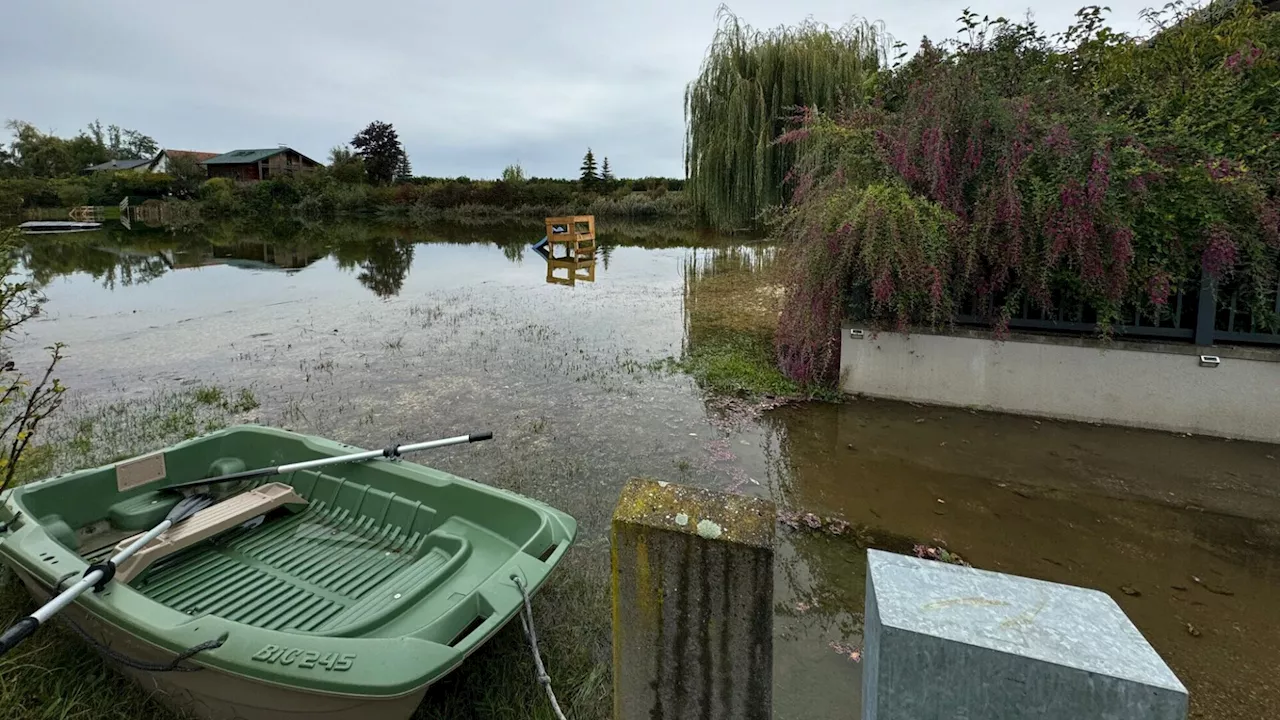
526,619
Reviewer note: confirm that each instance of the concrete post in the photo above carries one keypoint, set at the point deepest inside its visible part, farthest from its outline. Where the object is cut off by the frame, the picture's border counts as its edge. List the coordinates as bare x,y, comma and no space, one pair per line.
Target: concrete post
692,604
955,642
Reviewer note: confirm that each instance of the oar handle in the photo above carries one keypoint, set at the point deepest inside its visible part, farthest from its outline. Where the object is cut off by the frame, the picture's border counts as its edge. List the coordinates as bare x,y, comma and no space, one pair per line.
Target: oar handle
18,632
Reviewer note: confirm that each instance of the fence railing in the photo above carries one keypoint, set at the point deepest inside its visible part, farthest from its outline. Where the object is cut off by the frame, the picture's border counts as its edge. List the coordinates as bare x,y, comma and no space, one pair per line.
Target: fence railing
1205,315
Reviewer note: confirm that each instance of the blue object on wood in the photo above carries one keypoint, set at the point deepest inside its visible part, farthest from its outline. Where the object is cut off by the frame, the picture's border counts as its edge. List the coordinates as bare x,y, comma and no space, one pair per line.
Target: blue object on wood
540,247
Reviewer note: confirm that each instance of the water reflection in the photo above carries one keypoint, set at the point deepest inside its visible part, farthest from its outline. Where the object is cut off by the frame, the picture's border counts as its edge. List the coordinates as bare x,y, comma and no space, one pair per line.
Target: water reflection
1157,521
570,272
380,256
383,262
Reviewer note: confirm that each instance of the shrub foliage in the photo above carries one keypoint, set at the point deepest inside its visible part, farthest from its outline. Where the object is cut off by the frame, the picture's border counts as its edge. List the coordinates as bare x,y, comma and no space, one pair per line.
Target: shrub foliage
1010,166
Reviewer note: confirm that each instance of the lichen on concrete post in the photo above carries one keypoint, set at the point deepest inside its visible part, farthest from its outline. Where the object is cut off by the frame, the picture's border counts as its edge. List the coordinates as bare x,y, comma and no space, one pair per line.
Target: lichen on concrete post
956,642
692,604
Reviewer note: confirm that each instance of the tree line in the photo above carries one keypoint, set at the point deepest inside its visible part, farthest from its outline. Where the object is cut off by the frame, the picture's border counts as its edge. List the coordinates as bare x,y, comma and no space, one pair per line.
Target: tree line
35,154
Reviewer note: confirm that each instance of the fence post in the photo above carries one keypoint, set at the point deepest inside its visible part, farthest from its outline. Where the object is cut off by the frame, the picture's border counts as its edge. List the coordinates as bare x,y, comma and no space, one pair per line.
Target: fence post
1206,310
692,604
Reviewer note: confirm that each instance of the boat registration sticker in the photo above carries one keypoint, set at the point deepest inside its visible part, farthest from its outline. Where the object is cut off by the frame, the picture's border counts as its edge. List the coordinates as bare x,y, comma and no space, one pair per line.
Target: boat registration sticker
305,659
139,472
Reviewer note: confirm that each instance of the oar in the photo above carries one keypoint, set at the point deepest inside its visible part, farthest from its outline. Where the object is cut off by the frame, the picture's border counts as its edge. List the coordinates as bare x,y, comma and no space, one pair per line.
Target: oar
394,451
99,575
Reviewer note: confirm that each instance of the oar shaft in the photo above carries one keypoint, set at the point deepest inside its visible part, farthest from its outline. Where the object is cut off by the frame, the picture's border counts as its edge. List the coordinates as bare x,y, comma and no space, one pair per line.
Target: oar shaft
51,608
391,452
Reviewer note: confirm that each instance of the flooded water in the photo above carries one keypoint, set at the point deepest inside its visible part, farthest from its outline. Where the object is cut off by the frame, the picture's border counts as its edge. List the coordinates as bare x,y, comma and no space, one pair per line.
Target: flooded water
372,334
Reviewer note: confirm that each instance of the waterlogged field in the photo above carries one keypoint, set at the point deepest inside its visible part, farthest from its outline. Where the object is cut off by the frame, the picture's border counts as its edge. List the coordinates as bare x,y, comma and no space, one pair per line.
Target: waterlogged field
654,362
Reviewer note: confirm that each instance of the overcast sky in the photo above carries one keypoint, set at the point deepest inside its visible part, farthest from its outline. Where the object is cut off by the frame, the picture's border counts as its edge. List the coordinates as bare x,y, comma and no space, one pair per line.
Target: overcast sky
470,85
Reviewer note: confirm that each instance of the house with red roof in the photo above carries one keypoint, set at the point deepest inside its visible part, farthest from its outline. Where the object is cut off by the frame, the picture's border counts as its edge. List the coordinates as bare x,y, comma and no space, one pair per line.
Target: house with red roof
160,163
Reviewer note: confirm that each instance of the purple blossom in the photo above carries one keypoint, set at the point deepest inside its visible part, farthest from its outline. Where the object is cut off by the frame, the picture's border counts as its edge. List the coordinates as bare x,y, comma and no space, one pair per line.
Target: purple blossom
1269,219
1099,178
1220,254
882,288
1159,287
1059,140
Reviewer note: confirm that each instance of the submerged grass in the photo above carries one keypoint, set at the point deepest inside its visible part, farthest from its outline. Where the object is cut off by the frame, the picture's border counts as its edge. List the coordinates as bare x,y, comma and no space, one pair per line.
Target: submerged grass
737,365
87,435
55,675
731,302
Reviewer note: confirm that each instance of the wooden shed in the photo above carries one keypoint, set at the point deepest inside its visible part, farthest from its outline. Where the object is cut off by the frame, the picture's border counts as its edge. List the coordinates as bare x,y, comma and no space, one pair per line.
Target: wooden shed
263,164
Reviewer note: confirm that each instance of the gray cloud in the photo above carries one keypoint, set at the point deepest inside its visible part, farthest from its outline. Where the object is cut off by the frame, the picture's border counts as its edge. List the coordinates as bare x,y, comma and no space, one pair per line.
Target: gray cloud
470,86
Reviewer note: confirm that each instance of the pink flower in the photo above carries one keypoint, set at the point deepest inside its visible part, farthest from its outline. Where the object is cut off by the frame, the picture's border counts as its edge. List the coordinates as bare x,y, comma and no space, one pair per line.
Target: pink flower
793,136
882,288
1269,218
1159,288
849,651
1059,140
1220,254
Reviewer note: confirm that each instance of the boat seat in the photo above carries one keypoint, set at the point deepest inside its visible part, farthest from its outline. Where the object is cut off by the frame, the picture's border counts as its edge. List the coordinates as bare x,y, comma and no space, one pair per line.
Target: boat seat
205,524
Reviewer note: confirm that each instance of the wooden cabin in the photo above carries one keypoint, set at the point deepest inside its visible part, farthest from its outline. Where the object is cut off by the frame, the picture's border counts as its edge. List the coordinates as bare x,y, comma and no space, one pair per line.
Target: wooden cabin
264,164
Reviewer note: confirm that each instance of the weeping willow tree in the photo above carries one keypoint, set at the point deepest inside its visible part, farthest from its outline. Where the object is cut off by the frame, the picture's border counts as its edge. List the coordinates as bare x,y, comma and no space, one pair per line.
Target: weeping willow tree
750,86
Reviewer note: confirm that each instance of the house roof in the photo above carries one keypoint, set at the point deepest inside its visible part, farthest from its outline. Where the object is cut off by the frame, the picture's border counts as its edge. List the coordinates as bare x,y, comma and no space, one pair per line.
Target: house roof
241,157
196,154
129,164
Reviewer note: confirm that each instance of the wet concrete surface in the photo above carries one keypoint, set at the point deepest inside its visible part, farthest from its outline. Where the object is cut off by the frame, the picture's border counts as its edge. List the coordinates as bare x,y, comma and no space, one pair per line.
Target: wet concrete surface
416,338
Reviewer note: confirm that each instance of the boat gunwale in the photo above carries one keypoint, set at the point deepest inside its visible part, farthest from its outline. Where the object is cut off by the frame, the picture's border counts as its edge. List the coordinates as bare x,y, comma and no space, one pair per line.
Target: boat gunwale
405,663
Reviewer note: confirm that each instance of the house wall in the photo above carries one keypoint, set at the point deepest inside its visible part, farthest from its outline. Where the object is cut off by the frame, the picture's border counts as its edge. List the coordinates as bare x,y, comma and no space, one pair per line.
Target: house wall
278,165
247,172
287,163
1156,385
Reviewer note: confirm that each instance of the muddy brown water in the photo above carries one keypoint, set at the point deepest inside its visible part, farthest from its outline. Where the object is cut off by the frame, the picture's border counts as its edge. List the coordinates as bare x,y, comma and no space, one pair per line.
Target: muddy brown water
372,334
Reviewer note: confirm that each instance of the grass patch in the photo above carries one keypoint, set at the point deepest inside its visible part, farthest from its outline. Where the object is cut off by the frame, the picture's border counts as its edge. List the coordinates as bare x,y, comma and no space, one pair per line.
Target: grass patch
744,365
84,435
737,365
55,675
209,395
731,303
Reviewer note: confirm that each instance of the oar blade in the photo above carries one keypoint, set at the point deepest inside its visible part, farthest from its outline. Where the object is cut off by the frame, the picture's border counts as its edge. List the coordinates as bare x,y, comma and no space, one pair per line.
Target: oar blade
188,506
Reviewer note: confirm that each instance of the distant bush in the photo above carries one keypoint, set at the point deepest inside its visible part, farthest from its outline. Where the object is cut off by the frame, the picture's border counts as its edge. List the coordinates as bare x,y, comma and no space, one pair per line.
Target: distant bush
72,192
218,196
322,194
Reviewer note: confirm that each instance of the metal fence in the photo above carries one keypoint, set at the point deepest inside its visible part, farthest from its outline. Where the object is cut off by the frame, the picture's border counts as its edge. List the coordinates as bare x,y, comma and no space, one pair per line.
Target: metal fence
1206,315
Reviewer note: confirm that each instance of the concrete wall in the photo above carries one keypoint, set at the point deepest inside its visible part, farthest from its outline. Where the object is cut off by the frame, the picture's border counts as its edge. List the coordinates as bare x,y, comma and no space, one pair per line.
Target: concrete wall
1160,386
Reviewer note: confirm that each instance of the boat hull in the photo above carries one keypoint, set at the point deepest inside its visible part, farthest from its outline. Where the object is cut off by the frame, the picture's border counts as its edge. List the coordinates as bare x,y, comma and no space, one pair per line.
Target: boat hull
208,692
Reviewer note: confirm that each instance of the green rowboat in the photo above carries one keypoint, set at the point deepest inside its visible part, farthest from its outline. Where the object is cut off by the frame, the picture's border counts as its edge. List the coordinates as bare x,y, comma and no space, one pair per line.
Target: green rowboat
339,592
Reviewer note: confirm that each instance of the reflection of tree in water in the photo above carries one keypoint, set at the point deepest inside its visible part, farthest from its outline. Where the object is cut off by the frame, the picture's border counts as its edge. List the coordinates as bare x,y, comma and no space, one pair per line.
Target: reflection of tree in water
513,251
109,264
383,262
728,296
821,577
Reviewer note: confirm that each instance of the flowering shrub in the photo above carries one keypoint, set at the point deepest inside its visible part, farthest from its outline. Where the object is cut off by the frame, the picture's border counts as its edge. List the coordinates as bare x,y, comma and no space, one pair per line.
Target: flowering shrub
1009,167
